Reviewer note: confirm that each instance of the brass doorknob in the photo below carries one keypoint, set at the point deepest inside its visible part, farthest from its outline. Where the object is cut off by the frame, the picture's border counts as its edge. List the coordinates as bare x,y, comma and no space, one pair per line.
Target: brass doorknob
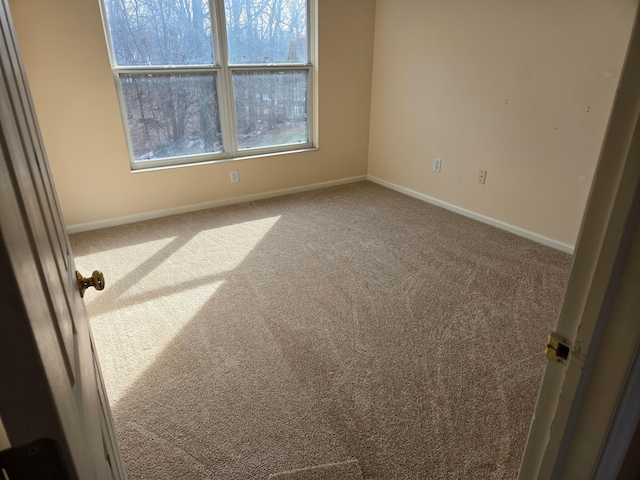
96,280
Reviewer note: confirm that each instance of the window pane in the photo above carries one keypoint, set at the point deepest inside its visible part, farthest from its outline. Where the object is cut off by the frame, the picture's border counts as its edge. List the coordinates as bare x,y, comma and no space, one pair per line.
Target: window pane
266,31
271,108
160,32
172,115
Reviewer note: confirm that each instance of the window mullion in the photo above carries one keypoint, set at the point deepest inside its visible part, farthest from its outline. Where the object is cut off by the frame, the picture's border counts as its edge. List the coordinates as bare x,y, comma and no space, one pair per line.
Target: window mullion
312,99
269,67
154,70
226,99
310,105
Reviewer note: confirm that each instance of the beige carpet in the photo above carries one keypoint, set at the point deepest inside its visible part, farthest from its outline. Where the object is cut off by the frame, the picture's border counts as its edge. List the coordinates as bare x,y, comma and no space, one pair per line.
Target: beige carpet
352,323
334,471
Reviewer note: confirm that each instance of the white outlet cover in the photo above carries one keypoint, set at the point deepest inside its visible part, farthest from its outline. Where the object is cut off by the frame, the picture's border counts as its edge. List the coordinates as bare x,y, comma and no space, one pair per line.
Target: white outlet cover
235,176
437,163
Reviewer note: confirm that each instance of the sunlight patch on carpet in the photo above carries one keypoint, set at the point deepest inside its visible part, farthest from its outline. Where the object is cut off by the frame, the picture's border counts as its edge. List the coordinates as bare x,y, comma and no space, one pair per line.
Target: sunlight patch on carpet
155,288
142,338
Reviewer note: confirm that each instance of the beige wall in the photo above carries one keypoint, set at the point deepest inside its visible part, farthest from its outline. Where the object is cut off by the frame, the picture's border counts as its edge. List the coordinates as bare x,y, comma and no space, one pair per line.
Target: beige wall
521,89
66,60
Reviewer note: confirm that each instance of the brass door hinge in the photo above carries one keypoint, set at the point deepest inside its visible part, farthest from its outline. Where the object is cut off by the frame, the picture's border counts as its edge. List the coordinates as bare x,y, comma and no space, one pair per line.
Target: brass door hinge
558,348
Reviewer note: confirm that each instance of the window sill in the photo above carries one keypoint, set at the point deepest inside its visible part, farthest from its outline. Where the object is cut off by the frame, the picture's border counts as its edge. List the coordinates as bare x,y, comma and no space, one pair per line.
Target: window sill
155,168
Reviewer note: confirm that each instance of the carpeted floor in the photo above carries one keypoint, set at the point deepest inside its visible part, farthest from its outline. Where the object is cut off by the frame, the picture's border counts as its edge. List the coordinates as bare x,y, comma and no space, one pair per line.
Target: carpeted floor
351,323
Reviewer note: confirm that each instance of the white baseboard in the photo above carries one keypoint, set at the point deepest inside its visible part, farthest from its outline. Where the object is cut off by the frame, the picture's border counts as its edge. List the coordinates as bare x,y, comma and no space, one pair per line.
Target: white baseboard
565,247
112,222
83,227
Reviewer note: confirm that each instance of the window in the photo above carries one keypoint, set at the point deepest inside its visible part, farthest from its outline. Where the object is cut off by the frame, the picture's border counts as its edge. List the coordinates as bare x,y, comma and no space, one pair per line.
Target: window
203,80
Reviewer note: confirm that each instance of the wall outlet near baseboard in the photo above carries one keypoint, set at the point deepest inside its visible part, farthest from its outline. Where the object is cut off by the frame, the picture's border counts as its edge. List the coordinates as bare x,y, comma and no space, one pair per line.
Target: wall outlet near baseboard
235,176
482,176
437,163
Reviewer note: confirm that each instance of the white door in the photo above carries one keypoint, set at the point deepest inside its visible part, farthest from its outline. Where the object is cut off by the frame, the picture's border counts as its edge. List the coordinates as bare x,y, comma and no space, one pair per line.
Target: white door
50,382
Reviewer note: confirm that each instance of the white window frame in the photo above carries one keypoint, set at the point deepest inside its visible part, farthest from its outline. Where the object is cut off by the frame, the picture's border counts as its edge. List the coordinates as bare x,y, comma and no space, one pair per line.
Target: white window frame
226,100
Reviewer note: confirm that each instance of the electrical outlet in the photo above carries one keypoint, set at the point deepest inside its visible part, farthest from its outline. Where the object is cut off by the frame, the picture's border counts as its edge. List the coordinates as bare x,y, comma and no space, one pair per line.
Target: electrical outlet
482,176
235,176
436,164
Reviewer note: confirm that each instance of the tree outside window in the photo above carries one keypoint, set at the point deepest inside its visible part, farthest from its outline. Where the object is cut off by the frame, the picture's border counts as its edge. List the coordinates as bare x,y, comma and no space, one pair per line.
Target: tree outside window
203,80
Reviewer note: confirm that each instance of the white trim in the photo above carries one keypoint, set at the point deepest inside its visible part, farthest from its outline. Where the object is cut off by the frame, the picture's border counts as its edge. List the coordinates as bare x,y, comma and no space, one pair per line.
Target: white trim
226,95
550,242
139,217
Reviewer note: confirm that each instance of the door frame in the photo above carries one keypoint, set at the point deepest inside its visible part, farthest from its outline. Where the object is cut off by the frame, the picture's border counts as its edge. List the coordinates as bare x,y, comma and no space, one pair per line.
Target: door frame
579,401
